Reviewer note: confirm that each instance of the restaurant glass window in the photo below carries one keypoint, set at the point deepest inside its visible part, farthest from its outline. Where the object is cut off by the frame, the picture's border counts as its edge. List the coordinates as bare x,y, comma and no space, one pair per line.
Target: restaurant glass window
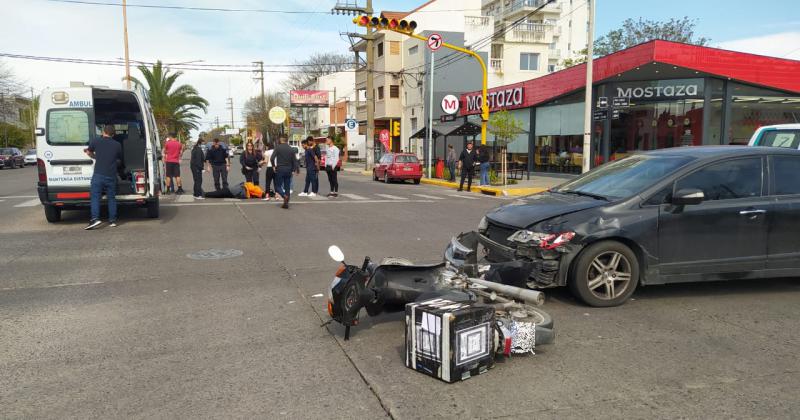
753,107
558,141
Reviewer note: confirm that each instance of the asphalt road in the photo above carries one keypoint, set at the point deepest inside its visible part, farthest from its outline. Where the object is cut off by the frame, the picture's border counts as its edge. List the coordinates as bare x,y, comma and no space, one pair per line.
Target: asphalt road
121,323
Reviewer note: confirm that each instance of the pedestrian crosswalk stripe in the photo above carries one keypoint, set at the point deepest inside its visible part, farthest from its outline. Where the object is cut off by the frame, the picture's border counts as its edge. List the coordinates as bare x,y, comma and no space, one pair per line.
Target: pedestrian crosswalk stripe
354,196
391,197
432,197
29,203
184,198
232,200
463,196
319,198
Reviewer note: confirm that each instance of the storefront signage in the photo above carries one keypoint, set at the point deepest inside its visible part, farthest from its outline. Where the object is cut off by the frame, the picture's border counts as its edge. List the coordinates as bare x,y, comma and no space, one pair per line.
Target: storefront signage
497,100
661,89
308,98
600,115
447,118
602,102
450,104
614,114
620,102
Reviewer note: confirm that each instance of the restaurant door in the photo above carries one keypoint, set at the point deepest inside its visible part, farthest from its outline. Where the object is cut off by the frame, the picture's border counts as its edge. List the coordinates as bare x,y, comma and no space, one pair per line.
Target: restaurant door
656,125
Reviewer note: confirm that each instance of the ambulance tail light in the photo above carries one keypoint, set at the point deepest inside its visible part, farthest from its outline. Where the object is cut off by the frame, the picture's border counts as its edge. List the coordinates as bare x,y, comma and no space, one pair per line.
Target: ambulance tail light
42,171
139,181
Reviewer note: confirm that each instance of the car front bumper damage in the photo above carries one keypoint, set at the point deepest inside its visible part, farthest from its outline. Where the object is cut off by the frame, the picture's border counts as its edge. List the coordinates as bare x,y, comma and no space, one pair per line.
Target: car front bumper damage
527,265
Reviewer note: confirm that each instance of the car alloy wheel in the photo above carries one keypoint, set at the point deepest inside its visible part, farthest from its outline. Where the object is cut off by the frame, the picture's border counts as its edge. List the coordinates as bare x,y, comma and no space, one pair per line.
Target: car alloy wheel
605,273
609,275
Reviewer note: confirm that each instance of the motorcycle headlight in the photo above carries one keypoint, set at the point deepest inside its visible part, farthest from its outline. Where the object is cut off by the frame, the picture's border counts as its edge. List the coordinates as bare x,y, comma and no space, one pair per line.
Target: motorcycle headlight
483,225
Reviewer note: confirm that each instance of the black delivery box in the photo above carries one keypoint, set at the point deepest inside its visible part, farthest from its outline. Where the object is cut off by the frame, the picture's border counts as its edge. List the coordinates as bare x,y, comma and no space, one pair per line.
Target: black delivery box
449,340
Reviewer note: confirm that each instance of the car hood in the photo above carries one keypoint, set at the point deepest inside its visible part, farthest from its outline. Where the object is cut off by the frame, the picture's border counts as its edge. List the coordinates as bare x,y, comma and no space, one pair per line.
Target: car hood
533,209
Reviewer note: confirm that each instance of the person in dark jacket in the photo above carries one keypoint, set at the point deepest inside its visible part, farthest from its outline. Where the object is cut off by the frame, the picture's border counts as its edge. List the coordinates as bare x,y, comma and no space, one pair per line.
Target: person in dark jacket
466,162
285,163
196,165
249,160
219,163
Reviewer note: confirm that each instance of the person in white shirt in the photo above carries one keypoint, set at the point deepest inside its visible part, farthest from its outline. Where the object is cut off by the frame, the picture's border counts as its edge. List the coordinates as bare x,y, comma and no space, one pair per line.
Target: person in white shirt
270,171
332,166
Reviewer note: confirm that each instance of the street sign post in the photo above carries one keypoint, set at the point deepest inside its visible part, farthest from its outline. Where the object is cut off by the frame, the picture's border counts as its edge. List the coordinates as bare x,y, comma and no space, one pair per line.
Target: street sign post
614,114
450,104
351,124
435,42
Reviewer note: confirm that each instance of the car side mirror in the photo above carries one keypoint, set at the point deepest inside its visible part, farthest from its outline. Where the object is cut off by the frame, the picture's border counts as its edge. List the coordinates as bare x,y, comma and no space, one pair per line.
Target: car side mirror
688,196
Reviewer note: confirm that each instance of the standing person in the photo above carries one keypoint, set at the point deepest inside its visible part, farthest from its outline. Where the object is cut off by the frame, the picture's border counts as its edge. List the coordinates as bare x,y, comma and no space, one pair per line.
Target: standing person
331,166
466,162
107,154
269,171
284,161
196,165
483,158
219,164
312,169
173,150
452,159
249,160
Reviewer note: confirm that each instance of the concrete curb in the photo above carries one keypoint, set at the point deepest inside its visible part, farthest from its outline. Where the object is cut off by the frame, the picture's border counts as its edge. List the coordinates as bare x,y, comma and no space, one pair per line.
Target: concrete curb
495,191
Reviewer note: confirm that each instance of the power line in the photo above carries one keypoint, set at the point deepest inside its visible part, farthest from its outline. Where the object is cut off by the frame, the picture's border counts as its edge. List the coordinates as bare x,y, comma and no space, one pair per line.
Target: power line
225,9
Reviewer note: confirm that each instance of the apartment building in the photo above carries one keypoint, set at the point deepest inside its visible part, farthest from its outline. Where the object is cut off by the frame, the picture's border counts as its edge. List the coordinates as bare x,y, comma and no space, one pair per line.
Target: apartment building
538,44
341,97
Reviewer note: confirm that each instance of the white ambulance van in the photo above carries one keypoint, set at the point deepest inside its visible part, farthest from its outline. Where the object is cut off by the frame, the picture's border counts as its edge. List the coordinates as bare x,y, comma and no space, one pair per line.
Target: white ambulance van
68,118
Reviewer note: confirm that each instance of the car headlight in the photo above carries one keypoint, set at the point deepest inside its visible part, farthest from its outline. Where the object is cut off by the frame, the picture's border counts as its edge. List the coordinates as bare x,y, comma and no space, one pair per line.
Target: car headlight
483,225
526,236
544,240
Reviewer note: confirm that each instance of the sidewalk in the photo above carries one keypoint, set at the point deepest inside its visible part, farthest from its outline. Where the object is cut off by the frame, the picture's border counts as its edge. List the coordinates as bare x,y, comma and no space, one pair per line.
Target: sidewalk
539,182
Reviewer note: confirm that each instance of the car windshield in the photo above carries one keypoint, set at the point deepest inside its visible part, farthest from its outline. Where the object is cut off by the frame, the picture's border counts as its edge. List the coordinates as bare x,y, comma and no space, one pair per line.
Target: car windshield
6,152
625,177
406,159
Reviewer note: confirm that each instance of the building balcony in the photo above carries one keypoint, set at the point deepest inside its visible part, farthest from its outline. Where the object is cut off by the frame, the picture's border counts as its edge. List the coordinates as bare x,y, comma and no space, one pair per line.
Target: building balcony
524,7
361,78
554,54
531,33
480,21
361,111
496,65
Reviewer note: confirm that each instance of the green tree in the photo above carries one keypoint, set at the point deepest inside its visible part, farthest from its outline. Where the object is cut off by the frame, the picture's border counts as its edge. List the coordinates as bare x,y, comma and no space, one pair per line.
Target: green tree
174,107
505,128
256,113
635,32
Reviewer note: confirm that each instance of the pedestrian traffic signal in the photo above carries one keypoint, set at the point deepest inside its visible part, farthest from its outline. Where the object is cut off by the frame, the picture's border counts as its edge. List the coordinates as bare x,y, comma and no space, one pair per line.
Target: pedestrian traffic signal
402,26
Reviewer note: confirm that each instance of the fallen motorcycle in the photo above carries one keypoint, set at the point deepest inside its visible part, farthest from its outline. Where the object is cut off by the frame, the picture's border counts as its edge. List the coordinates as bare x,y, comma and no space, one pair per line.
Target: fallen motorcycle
392,284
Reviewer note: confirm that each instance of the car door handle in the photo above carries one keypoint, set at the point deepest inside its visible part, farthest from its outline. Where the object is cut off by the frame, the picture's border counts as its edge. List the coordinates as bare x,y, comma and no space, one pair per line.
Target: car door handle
752,212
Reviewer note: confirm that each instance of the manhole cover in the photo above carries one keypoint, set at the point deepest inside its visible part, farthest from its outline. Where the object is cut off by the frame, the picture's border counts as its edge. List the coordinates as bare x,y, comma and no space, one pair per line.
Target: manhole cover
215,254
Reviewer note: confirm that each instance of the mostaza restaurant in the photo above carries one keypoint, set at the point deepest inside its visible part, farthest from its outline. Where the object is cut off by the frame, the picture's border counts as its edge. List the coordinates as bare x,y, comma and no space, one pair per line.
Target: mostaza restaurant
654,95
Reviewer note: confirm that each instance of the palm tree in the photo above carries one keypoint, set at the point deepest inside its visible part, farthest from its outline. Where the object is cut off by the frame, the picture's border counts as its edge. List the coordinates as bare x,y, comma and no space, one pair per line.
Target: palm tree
173,107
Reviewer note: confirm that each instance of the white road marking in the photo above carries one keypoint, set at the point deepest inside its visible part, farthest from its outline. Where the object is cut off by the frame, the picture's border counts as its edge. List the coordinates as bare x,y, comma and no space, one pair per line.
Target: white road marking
29,203
466,197
184,198
20,196
232,200
354,196
2,201
54,285
391,197
293,202
431,197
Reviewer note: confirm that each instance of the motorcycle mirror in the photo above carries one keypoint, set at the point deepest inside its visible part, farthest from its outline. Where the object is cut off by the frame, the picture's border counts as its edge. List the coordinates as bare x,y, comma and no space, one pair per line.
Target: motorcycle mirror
336,253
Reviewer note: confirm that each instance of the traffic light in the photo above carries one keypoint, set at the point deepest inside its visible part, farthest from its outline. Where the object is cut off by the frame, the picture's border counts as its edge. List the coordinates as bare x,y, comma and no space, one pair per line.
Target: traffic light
395,128
402,26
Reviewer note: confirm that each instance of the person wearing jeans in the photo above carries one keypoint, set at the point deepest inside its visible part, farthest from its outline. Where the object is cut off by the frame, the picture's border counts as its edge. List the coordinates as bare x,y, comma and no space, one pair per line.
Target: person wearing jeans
196,165
452,161
312,169
331,166
285,163
483,158
107,154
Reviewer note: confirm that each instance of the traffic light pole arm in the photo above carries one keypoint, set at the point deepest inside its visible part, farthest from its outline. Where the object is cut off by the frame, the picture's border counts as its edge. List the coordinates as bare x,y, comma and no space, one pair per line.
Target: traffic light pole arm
484,102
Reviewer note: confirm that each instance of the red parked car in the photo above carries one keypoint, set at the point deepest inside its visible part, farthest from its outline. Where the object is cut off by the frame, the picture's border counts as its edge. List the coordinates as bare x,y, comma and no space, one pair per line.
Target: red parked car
398,166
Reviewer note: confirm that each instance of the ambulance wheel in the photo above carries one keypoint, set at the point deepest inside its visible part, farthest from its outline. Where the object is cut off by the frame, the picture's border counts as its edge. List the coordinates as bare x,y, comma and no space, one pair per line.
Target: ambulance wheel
152,209
52,213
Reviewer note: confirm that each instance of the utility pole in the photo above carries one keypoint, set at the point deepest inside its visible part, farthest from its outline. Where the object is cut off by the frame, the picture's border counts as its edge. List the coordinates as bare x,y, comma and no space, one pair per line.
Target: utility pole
335,113
587,109
230,106
346,7
260,72
430,122
217,119
125,33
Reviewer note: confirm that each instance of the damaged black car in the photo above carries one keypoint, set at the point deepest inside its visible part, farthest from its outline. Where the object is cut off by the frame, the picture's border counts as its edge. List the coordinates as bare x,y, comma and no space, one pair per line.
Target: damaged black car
667,216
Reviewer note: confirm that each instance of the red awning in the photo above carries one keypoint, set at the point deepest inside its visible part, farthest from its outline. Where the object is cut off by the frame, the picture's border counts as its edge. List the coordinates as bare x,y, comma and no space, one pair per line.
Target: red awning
769,72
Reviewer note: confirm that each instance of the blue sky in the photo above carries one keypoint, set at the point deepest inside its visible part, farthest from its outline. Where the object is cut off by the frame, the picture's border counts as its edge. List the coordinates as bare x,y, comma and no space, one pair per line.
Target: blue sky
47,28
